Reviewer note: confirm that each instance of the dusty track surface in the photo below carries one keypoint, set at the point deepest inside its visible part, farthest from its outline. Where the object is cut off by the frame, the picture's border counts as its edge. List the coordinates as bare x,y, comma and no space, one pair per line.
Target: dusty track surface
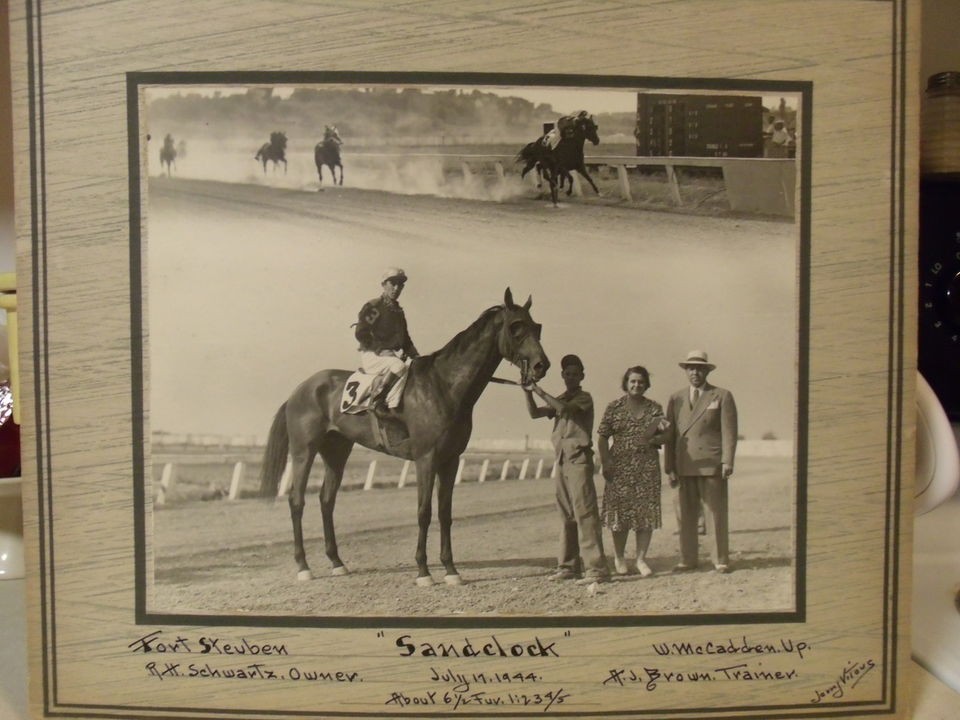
237,557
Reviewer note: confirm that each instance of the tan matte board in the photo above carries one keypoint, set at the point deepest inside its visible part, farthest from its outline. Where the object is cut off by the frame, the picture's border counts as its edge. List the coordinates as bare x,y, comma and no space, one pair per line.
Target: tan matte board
174,309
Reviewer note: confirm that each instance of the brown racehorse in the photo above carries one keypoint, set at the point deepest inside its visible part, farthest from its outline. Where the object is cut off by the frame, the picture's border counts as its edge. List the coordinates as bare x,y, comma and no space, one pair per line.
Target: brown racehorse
436,409
168,155
327,152
555,165
274,151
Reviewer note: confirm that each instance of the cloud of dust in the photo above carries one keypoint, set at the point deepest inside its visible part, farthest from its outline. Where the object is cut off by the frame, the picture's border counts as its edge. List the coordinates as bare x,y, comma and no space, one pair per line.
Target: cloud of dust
441,175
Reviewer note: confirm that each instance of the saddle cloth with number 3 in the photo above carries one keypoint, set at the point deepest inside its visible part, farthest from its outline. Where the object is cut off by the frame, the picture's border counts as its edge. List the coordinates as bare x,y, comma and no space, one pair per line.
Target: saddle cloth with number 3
357,392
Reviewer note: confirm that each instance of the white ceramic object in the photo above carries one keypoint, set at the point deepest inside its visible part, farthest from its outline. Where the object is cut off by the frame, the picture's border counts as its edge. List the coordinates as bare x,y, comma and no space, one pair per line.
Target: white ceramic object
936,545
938,459
11,530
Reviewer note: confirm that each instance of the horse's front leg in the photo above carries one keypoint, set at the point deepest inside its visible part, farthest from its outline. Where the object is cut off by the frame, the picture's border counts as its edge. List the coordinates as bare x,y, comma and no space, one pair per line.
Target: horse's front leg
583,171
284,166
320,173
426,472
341,173
447,476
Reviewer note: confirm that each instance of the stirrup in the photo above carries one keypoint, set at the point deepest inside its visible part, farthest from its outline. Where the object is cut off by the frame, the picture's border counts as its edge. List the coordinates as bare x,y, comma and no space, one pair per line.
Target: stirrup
388,427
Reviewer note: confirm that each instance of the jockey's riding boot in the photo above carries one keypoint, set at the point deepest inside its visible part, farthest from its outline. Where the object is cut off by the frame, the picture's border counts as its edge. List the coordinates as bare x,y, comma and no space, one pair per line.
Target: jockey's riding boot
379,402
381,387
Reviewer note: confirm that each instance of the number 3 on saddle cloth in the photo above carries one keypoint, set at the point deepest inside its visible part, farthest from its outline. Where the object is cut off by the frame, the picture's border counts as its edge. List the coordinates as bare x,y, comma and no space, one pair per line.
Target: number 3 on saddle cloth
361,388
359,393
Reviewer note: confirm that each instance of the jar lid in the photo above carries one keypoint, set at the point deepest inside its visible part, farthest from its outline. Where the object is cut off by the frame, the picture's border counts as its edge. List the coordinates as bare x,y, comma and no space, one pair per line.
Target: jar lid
944,81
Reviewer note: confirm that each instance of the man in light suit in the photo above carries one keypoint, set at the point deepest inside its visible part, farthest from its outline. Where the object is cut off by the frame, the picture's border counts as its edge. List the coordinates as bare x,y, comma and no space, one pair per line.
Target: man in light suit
698,459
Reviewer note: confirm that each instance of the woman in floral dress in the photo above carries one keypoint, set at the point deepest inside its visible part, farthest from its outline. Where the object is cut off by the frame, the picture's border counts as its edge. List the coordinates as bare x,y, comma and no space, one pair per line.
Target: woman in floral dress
631,467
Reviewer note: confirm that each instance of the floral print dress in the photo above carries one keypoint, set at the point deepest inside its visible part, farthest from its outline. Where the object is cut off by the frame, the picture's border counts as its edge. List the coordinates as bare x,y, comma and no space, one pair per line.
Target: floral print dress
631,500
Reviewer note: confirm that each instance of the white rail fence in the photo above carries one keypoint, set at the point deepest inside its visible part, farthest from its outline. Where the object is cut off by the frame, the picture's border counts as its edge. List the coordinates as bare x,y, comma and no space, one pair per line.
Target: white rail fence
753,185
527,459
377,476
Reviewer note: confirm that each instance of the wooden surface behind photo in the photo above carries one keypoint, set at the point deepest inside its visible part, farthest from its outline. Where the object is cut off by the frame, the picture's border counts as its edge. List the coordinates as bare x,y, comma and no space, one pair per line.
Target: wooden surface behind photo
845,655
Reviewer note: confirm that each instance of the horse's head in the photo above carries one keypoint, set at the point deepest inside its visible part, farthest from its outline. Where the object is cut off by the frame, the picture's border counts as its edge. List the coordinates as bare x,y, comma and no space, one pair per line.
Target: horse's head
330,132
519,340
278,139
588,126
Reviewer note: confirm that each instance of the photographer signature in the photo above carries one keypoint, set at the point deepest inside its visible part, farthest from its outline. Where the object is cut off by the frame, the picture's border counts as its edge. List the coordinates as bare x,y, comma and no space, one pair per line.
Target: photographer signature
849,678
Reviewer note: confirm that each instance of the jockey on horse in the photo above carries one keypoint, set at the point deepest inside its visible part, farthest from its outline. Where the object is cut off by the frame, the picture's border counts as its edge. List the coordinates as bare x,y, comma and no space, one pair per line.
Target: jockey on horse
563,128
385,345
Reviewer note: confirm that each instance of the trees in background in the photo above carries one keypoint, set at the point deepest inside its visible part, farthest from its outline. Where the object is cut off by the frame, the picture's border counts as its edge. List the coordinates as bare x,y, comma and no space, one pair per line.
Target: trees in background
361,113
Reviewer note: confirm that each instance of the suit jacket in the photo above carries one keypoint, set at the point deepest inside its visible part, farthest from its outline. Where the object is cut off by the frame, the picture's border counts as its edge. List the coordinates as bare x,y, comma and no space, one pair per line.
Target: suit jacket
703,437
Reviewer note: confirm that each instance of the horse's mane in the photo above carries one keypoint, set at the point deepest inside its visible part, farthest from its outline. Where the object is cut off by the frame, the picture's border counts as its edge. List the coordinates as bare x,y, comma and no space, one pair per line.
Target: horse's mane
466,336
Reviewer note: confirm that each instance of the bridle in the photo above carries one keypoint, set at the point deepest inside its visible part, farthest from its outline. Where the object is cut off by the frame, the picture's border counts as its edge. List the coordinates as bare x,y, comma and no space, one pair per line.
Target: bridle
508,345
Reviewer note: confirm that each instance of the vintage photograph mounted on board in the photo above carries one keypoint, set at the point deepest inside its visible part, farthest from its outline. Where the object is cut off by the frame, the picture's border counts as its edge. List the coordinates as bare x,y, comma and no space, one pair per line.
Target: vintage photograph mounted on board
449,423
629,226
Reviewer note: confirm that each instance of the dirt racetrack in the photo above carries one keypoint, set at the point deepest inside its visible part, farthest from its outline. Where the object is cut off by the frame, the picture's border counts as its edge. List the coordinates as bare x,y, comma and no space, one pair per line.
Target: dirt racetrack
250,256
236,558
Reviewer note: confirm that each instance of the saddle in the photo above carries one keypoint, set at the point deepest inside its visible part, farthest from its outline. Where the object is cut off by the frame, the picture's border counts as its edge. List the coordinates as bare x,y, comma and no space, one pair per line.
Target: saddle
551,139
359,393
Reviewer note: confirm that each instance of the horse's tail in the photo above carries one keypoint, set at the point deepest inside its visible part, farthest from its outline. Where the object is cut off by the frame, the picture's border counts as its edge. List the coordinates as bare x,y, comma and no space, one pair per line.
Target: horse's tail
529,152
275,456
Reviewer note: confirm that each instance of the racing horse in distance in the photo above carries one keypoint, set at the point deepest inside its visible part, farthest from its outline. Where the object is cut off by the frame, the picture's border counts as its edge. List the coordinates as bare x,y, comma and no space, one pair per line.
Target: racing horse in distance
327,152
436,407
168,155
274,151
559,152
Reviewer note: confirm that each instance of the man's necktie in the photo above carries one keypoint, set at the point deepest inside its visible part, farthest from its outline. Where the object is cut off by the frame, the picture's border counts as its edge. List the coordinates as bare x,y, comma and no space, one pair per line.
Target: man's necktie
696,396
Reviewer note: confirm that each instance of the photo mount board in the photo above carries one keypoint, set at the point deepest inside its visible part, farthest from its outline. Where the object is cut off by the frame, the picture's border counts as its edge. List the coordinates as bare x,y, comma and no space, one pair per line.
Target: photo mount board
79,269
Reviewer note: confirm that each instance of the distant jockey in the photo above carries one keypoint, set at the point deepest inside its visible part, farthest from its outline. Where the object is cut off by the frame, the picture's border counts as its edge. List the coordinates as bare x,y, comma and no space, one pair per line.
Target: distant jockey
563,129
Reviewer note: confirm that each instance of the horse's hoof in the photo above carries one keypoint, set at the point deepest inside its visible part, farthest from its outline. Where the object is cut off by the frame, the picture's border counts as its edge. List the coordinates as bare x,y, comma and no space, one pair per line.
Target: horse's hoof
304,575
452,580
339,571
424,581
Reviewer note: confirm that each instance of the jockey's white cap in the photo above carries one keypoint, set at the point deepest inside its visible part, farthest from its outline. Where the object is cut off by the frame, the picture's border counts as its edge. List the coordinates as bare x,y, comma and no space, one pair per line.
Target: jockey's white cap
393,273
